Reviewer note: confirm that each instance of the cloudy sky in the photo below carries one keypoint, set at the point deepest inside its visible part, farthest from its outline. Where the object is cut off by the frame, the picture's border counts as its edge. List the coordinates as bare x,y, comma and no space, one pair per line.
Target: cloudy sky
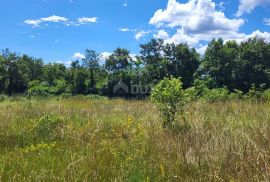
60,30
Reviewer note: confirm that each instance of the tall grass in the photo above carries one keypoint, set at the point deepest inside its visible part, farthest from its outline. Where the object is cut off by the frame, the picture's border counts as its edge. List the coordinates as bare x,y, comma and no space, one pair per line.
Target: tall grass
82,139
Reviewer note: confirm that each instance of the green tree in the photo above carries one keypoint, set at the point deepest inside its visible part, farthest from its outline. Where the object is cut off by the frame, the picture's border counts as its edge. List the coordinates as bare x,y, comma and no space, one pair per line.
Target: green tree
219,63
152,56
79,85
253,66
16,78
3,75
53,72
119,61
183,62
91,62
118,66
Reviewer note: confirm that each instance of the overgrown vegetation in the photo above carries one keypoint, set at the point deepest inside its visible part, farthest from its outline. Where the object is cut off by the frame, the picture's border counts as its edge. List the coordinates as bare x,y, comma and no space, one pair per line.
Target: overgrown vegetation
86,139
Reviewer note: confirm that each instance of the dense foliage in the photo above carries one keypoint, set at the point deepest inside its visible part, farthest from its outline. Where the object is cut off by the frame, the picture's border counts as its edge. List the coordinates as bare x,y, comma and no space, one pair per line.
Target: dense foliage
169,96
225,65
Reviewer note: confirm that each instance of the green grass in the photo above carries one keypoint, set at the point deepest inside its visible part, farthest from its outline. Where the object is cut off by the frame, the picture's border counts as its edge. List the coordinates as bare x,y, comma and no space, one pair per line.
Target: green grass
84,139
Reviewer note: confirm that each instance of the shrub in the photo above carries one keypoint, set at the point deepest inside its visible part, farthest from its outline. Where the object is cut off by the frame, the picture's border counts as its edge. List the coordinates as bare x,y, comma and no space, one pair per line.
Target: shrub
216,95
2,98
191,94
36,88
48,127
236,94
169,97
203,85
254,93
59,87
266,95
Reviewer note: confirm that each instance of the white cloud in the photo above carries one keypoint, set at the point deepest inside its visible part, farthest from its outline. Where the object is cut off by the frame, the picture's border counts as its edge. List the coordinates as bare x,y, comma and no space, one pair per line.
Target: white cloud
246,6
124,29
54,19
199,21
57,19
140,34
125,4
78,56
161,34
267,21
34,23
127,30
196,20
195,16
84,20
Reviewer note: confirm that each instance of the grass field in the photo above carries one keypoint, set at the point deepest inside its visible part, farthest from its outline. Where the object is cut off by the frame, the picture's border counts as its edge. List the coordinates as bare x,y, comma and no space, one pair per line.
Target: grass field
83,139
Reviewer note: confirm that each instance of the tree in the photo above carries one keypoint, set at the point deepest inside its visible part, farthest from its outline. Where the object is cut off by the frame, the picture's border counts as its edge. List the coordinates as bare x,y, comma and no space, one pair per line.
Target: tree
16,79
219,63
183,62
119,61
79,82
91,61
3,75
163,60
152,55
253,66
53,72
238,66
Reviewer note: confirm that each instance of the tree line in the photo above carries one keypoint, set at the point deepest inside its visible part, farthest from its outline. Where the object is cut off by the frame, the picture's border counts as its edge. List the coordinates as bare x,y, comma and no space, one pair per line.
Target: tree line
230,65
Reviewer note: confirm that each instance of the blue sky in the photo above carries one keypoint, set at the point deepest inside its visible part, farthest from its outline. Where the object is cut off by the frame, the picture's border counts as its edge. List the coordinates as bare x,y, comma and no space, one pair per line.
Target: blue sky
60,30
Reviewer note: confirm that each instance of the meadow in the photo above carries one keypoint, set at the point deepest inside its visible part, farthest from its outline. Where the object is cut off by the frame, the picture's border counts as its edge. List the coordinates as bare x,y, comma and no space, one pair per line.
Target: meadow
98,139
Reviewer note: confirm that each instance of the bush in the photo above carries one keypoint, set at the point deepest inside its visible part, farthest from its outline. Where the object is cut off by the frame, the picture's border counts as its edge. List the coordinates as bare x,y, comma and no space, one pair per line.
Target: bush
237,94
49,127
254,93
191,94
36,88
216,95
203,86
59,87
169,97
266,95
3,98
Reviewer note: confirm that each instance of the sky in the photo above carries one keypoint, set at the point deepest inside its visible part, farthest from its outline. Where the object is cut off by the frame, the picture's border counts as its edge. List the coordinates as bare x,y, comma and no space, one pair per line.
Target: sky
61,30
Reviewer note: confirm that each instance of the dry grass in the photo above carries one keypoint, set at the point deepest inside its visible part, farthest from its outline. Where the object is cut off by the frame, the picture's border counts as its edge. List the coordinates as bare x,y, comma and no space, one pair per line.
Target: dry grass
118,140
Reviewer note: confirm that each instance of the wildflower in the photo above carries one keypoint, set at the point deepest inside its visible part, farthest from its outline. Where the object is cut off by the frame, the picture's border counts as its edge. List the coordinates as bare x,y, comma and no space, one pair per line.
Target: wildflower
130,121
34,148
162,170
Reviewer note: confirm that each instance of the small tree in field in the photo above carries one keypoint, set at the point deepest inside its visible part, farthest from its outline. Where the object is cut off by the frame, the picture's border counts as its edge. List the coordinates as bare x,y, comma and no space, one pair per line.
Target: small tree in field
169,97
